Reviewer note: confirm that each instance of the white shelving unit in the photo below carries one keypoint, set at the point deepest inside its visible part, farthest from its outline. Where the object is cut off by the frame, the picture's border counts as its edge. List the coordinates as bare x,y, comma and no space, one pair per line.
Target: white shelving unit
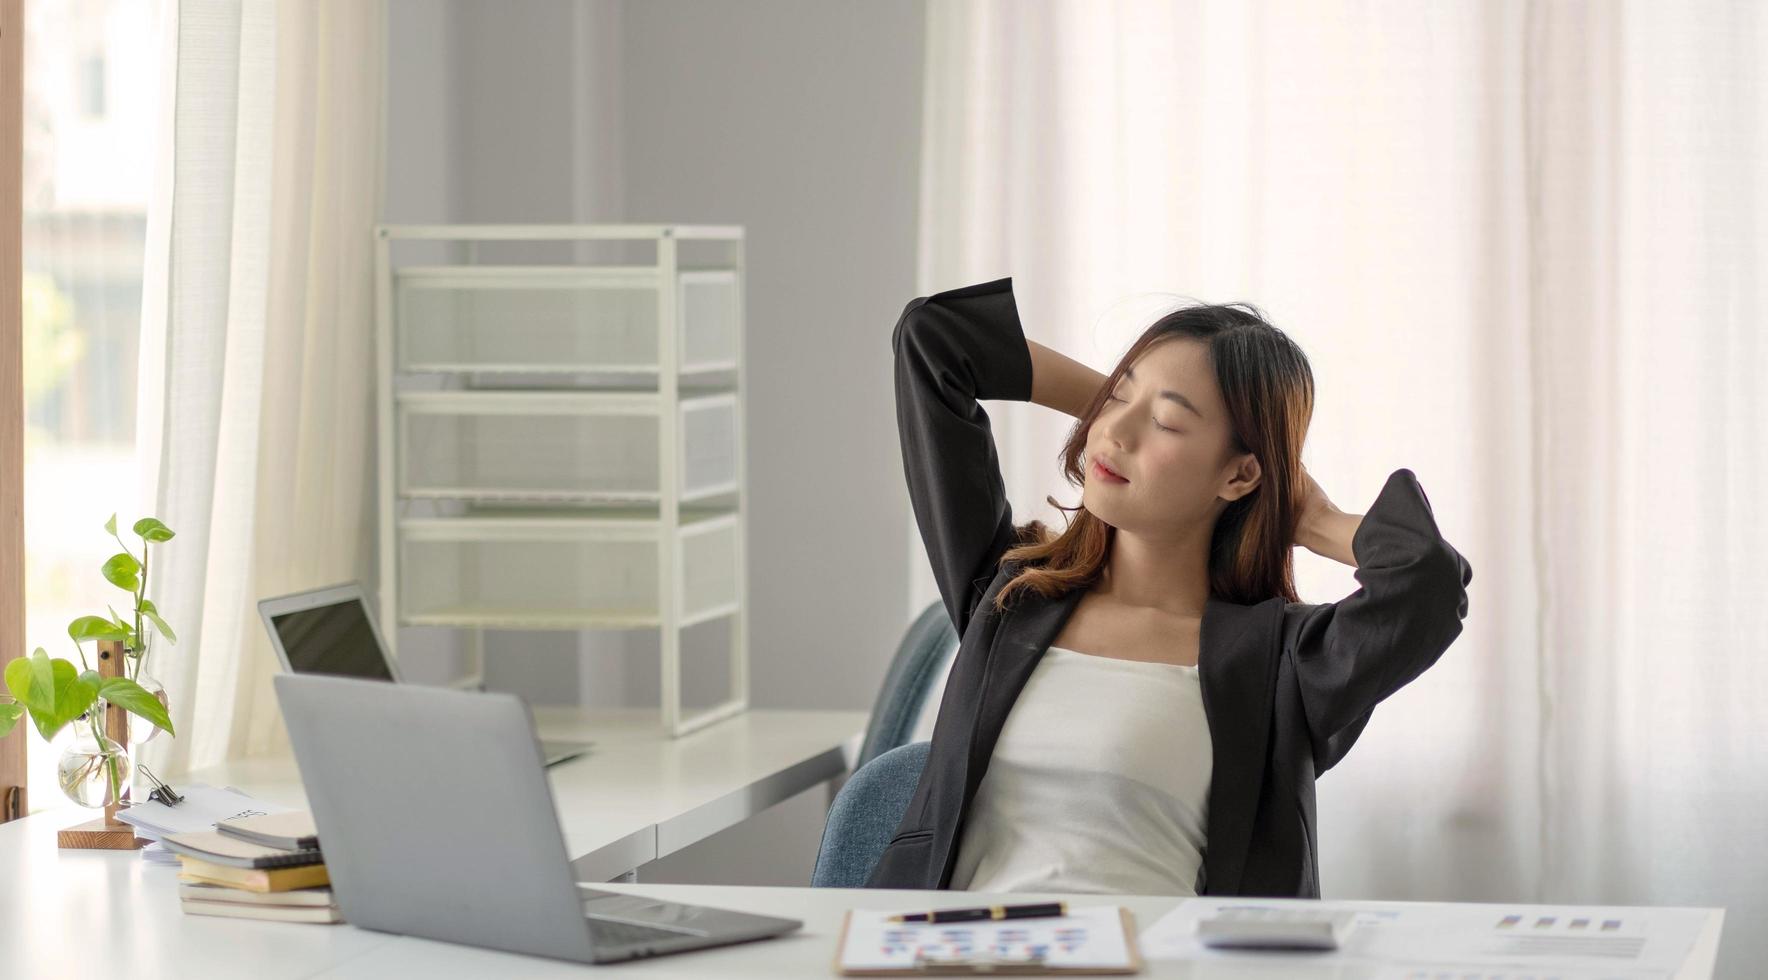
562,444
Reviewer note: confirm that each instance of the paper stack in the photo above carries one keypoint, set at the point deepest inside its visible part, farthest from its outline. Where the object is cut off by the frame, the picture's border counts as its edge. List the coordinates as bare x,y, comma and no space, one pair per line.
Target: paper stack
266,866
203,807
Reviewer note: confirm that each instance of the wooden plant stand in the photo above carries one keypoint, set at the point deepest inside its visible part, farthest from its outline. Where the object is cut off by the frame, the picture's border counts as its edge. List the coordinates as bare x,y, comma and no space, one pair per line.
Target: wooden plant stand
107,832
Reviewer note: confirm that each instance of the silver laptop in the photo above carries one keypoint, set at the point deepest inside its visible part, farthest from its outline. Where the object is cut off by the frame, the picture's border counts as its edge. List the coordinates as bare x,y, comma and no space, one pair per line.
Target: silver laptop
329,631
436,820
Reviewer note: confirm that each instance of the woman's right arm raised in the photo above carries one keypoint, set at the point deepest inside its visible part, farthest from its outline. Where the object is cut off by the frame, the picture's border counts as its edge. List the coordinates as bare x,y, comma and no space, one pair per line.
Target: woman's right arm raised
1061,382
955,349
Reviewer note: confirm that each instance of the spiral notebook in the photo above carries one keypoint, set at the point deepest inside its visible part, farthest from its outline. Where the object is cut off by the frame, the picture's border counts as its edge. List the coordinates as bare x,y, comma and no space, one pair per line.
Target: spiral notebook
219,848
1089,939
292,830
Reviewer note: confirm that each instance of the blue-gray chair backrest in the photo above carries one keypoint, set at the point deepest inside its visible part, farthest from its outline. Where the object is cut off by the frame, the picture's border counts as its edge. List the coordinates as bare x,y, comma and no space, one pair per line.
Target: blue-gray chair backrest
924,650
865,815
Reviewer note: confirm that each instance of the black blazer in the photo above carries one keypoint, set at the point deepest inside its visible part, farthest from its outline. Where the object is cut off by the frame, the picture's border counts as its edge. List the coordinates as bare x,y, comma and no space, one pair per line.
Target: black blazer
1287,686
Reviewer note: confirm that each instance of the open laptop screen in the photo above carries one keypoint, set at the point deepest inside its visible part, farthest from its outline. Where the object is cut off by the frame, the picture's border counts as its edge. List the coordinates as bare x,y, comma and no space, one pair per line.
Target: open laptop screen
332,639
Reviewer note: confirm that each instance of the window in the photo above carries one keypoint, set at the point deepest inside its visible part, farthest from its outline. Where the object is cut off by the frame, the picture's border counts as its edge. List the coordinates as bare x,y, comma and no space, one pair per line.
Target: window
88,164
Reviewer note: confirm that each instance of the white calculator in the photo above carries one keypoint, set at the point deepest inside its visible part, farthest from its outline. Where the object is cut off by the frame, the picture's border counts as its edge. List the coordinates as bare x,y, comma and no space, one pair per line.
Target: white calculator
1259,927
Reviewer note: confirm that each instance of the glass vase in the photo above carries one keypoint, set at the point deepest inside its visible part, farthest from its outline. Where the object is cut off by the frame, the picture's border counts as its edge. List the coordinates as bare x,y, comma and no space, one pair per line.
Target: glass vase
141,730
94,771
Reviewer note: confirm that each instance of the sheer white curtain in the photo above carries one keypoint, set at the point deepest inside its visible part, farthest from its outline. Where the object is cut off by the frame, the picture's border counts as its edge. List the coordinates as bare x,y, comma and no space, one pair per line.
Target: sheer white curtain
1522,244
256,420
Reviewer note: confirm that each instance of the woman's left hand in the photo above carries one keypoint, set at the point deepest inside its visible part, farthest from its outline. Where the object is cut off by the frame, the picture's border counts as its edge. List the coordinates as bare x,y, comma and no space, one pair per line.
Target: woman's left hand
1311,502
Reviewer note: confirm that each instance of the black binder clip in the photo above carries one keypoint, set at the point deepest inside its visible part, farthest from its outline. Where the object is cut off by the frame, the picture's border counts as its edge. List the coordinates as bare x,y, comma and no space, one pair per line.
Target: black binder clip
162,792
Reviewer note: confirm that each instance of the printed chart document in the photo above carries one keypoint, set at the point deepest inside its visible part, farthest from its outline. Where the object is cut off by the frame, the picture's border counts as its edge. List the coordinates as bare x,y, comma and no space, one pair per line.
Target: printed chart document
1500,940
1089,939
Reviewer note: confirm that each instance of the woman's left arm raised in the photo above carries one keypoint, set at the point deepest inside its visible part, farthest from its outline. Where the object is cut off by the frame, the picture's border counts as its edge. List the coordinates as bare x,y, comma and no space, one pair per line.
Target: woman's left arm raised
1324,529
1351,654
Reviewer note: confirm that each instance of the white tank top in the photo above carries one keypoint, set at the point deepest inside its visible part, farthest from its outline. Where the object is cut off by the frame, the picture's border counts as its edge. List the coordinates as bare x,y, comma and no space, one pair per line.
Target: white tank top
1099,783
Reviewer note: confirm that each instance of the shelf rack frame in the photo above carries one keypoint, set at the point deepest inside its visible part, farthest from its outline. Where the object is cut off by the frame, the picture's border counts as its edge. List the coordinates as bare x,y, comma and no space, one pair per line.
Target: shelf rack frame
658,518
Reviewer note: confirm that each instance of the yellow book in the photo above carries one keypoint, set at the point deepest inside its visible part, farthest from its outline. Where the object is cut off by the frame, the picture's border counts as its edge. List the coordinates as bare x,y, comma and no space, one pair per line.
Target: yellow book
254,879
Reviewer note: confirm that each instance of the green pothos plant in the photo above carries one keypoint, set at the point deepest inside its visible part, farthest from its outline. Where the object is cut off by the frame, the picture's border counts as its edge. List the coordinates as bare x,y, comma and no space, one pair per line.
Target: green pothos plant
54,692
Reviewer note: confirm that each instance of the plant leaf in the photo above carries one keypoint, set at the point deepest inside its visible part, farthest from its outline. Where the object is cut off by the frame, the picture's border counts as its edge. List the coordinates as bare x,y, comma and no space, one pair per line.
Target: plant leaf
153,616
43,673
111,525
132,697
32,681
151,529
51,690
130,640
123,571
95,628
72,697
92,677
9,716
69,697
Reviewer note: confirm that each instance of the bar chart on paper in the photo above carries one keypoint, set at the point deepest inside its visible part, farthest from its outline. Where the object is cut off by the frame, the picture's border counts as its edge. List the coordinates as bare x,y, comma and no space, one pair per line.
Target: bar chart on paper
1493,942
1089,939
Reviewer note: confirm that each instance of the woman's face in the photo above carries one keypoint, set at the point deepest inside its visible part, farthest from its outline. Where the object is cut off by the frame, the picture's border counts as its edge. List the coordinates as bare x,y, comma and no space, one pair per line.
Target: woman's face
1165,429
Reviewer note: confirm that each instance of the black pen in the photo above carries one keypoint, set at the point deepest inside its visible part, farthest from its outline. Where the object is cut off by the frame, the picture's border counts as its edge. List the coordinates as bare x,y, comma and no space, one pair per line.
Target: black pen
1043,910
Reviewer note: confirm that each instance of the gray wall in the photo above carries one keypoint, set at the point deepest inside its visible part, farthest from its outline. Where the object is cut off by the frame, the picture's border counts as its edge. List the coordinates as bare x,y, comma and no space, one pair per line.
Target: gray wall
799,120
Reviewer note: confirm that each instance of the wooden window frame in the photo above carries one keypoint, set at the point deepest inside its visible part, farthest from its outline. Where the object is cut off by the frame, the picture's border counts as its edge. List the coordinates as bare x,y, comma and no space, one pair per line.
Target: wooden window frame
12,397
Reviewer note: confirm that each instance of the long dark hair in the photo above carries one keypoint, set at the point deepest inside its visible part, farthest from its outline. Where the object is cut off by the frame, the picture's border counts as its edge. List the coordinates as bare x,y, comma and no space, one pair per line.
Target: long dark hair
1268,388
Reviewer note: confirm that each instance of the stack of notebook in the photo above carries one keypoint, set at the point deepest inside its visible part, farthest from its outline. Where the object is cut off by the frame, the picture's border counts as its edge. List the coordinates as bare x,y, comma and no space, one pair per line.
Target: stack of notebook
266,866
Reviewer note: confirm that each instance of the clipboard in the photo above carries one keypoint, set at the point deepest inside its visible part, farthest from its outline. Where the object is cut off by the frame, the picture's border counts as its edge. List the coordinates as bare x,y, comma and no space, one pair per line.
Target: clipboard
1029,964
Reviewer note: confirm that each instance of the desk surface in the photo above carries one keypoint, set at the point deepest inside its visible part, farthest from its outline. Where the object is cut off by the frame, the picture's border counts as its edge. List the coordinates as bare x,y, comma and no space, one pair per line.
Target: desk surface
67,912
108,913
639,794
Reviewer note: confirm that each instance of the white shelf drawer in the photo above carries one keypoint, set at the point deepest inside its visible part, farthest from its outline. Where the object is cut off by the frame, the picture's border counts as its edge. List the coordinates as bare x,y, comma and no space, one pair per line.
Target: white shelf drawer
709,444
559,319
559,573
709,308
584,447
709,569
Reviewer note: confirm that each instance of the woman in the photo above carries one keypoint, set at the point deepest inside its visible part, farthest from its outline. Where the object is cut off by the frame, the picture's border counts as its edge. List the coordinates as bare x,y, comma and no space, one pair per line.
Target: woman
1140,703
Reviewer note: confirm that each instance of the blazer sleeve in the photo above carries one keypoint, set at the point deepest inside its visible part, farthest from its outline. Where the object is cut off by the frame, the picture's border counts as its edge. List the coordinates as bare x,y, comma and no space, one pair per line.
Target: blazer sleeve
953,349
1352,654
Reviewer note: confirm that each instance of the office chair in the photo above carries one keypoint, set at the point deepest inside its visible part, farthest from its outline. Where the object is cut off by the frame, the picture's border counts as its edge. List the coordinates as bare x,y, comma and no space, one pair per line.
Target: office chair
865,812
921,658
865,815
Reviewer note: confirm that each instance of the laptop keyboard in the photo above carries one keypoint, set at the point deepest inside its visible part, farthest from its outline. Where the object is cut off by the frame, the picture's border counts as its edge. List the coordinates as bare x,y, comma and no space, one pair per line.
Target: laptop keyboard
615,932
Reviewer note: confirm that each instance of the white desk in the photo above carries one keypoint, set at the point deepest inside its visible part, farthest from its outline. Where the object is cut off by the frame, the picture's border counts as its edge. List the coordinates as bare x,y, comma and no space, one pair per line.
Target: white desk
639,794
120,917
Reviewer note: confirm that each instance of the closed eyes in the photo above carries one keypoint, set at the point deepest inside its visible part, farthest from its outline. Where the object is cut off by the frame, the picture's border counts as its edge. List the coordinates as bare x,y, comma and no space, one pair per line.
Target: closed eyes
1157,424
